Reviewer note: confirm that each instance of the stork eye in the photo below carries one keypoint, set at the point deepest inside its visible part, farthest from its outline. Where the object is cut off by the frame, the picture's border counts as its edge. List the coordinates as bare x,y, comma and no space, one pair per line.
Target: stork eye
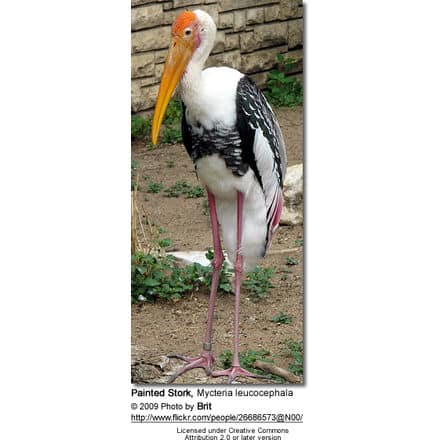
188,32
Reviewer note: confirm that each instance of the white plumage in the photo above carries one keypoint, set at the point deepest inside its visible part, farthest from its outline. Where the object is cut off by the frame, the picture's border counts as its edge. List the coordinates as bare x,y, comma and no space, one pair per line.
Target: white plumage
213,172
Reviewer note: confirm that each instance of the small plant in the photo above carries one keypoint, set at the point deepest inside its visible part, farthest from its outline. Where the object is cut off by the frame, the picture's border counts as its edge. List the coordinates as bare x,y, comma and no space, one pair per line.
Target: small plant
155,277
296,351
184,188
154,187
283,90
258,282
173,114
282,318
140,127
299,242
170,163
164,242
172,132
247,359
195,192
171,135
291,261
177,189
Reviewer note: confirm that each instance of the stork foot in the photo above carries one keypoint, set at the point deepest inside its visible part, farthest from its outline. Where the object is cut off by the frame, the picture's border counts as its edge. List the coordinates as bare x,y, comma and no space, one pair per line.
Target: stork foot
234,372
205,360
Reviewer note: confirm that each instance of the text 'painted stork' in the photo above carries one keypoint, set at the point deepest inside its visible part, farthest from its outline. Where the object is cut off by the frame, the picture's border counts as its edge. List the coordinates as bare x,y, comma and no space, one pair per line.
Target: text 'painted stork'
234,139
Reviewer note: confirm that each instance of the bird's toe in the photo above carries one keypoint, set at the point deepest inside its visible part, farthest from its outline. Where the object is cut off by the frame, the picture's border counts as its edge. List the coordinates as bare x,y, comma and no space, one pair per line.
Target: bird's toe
205,360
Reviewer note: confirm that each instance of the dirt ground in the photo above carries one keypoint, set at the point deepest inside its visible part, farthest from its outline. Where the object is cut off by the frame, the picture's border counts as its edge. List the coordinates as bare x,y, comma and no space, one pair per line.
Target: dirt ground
178,327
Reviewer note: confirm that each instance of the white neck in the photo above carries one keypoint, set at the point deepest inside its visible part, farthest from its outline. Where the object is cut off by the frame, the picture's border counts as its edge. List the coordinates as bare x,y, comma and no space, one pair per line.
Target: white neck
192,78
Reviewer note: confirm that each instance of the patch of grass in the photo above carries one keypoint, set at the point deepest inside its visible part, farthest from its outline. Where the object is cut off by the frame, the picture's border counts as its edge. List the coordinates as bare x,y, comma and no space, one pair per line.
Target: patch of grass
177,189
186,189
258,282
247,359
155,277
282,318
195,192
171,135
296,351
140,127
154,187
283,90
172,131
164,242
291,261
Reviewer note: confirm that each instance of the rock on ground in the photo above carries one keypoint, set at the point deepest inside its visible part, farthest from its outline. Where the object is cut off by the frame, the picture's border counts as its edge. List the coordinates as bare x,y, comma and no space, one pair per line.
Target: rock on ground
292,213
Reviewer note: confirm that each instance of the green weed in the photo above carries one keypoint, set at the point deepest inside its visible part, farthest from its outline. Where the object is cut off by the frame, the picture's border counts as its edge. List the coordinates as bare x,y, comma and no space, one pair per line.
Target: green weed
296,351
140,127
291,261
282,318
184,188
247,359
299,242
177,189
154,187
172,132
195,192
258,282
164,242
283,90
155,277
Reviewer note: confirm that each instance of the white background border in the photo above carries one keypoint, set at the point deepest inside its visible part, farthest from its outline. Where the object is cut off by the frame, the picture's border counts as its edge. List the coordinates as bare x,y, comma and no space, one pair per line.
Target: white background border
372,157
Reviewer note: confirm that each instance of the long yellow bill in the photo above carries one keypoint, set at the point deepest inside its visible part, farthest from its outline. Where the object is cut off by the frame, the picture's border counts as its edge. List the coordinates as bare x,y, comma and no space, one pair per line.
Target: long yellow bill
178,57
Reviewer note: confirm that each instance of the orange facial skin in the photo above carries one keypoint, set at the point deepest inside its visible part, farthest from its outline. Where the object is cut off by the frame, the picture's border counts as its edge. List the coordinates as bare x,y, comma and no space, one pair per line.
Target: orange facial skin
184,20
185,40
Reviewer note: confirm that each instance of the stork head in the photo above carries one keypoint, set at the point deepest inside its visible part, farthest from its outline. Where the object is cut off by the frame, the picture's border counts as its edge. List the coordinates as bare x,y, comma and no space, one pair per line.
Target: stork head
192,38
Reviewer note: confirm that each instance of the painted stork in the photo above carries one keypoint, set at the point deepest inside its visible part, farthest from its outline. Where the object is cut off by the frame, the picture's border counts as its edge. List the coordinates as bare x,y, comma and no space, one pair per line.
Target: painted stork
235,141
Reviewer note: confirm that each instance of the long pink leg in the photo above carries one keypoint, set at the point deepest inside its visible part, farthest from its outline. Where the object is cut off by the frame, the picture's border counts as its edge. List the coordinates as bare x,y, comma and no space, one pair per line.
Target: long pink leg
236,370
206,359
